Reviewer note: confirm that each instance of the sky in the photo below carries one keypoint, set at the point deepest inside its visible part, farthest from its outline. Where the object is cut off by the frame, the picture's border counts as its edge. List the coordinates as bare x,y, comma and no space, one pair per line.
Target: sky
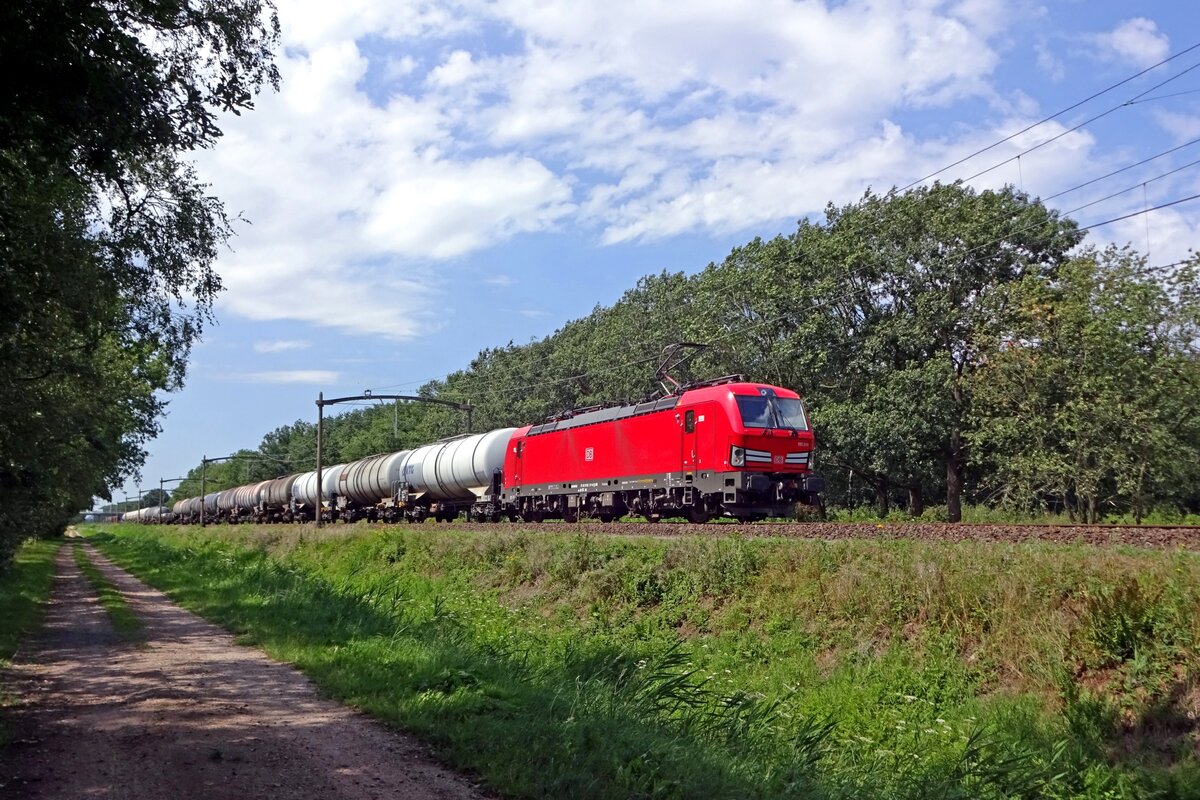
435,178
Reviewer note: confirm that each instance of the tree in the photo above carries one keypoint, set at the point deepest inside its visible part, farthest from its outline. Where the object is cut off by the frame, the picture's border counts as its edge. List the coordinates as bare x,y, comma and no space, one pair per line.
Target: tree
156,497
1095,403
107,239
910,289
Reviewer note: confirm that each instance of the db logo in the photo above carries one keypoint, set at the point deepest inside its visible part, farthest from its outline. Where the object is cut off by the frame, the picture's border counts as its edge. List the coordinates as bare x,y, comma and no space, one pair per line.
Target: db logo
778,459
589,454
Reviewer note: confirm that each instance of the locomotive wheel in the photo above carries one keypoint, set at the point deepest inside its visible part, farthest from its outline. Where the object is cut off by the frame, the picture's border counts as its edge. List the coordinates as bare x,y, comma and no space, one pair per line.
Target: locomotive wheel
533,515
653,517
697,514
570,515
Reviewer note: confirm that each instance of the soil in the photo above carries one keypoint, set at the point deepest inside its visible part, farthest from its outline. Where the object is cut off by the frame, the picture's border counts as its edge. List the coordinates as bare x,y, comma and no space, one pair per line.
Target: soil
184,712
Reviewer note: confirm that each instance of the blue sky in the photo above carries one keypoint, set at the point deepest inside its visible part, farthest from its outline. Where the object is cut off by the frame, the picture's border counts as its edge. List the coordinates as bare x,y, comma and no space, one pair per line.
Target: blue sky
439,177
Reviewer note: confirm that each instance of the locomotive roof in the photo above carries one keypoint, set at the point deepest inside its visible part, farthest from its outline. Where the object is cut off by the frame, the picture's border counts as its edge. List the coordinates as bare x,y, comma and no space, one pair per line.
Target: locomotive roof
607,414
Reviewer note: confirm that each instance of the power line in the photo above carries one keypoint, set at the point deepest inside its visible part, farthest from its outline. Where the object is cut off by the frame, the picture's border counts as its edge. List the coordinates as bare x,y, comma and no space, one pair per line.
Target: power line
1119,171
1083,124
529,362
814,306
1055,115
1164,96
1131,188
1139,213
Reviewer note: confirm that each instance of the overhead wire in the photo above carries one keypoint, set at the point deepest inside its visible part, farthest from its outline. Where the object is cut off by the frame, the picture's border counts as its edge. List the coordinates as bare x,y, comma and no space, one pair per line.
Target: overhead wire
819,304
1131,188
1083,124
1053,116
1077,187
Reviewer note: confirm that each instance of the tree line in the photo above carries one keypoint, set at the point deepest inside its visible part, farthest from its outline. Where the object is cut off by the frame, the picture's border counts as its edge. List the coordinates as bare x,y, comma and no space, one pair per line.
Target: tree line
953,346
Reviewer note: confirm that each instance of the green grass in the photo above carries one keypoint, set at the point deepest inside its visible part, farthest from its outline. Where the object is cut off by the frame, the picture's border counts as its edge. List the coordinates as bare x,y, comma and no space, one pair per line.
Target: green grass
566,665
126,623
24,587
25,584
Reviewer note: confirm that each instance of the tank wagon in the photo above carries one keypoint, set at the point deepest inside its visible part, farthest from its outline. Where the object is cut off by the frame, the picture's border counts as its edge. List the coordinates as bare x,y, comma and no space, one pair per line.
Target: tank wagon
727,448
150,514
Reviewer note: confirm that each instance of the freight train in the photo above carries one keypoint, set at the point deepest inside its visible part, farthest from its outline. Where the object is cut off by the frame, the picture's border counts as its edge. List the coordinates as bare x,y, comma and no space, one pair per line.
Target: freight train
721,448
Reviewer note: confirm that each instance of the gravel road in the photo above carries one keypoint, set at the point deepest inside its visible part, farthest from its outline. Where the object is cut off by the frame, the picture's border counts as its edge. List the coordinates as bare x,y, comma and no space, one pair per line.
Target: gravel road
186,713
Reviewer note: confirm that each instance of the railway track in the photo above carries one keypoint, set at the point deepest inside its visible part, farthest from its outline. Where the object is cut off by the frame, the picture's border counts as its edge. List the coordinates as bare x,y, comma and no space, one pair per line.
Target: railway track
1156,536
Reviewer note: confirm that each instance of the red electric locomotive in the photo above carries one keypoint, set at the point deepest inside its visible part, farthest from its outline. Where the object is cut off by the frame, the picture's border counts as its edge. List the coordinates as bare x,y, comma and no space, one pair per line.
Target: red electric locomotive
723,447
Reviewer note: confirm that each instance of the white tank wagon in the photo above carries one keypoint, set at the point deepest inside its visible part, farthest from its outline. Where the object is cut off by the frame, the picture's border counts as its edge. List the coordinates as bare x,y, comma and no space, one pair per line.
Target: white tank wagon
188,510
149,514
304,491
226,503
210,505
451,476
246,499
275,501
304,496
366,488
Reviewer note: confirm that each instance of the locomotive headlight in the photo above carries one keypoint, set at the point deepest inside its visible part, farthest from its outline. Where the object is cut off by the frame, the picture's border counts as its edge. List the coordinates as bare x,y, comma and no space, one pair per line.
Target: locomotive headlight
737,457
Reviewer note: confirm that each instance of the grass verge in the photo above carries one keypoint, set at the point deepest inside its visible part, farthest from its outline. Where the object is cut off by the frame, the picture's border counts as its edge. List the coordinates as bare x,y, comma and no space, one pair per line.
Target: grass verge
564,665
25,584
24,587
126,623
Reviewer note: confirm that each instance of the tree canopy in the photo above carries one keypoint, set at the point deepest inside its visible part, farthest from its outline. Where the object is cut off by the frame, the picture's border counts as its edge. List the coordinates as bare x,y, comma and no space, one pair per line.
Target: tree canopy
107,237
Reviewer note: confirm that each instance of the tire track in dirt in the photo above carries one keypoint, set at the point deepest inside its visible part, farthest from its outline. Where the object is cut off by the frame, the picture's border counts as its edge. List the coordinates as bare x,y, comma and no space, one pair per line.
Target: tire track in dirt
187,713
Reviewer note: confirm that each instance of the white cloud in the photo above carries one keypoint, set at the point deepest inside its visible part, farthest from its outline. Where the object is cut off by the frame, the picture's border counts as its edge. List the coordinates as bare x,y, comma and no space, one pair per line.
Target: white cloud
1182,127
306,376
499,280
1049,63
1166,236
633,120
1135,41
280,346
457,69
350,201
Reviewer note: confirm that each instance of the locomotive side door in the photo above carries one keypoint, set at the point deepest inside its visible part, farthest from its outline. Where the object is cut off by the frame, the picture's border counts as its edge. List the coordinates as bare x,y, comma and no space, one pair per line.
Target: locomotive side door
689,440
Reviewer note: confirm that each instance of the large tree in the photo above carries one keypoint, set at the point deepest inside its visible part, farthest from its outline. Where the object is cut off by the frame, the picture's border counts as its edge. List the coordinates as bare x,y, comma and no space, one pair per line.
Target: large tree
1094,404
907,295
107,238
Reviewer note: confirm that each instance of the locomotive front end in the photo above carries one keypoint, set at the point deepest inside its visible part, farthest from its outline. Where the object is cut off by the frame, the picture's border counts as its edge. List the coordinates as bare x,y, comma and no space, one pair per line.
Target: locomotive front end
769,461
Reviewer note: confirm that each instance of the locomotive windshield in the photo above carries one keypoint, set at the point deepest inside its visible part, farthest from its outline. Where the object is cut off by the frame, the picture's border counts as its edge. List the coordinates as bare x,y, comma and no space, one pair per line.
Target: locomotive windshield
771,412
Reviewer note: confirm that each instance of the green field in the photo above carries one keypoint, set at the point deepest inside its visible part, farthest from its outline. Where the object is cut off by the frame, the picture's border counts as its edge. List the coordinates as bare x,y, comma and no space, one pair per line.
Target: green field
566,665
24,586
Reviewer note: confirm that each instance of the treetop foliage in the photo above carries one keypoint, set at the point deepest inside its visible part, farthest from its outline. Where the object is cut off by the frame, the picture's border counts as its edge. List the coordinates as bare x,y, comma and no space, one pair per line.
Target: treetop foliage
107,238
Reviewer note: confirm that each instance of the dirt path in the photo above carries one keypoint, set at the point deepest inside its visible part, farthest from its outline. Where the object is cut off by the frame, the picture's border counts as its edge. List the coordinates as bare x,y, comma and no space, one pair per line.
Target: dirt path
187,714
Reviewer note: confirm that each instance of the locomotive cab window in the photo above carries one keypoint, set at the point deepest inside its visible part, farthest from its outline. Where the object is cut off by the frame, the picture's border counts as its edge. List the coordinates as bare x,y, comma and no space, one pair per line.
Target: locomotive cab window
689,421
771,412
